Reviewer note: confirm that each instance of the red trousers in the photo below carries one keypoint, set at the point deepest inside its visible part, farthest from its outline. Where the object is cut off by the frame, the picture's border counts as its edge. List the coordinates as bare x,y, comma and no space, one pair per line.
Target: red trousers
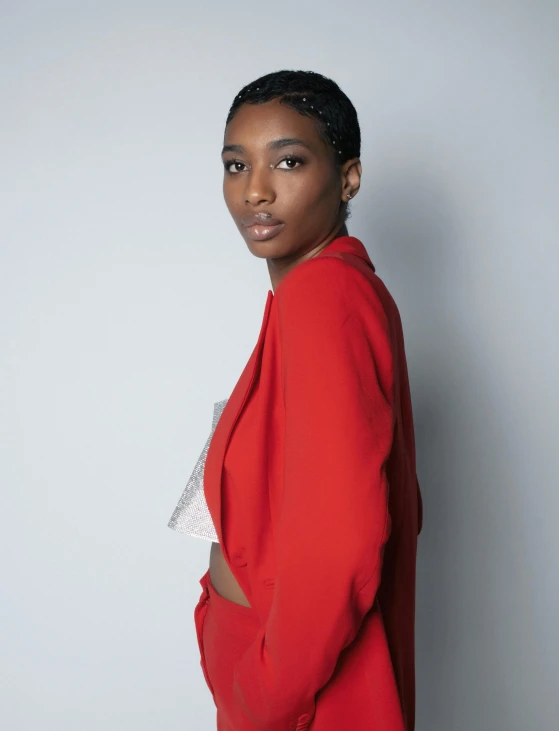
224,630
362,682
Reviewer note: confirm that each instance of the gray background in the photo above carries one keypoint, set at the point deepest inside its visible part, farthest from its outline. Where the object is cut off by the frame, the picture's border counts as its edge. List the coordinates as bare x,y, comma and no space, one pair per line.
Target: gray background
123,282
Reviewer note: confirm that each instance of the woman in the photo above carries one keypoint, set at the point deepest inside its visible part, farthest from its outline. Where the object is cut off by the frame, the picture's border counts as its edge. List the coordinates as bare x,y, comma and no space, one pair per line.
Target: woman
306,618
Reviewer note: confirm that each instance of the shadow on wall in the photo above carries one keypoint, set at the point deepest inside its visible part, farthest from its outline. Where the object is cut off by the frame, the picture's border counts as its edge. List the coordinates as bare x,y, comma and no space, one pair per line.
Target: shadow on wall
478,663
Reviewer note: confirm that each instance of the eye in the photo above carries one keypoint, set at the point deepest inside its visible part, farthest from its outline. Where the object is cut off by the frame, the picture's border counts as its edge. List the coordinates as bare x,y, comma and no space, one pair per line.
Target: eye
227,163
291,158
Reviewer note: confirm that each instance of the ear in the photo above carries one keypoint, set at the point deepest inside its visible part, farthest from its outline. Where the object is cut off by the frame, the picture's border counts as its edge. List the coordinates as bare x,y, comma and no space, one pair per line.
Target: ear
351,177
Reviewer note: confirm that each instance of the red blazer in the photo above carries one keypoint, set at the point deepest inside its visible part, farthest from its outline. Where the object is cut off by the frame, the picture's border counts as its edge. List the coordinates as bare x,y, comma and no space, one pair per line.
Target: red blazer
310,479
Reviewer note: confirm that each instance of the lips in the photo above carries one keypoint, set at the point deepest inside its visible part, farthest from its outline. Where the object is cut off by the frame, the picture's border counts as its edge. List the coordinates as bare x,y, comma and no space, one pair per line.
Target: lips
263,232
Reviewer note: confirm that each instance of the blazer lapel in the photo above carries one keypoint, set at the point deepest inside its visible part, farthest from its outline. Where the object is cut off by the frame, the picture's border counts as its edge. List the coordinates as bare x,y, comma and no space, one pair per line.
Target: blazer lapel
213,467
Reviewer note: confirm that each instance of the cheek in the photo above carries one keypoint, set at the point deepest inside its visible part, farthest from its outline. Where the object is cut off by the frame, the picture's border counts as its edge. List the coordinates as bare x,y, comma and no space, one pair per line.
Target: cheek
301,193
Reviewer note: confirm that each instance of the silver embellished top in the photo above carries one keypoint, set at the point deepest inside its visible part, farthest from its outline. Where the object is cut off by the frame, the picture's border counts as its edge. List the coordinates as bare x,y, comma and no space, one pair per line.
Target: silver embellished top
191,515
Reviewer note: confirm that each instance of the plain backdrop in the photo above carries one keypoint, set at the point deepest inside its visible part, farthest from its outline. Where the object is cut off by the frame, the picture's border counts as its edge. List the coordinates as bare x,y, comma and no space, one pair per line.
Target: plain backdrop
124,281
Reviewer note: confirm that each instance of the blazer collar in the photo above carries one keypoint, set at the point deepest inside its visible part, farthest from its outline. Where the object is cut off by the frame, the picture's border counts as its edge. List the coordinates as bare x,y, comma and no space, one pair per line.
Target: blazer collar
347,245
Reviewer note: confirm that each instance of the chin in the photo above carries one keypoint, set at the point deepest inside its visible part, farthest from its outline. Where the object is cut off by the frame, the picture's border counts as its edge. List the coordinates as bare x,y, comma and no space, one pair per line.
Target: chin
265,249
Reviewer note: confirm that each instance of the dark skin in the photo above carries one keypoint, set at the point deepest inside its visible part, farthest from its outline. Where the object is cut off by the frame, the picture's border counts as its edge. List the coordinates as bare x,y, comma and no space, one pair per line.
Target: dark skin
308,197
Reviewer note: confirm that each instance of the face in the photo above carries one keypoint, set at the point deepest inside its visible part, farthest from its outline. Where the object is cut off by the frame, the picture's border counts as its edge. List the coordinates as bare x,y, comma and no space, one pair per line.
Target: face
267,171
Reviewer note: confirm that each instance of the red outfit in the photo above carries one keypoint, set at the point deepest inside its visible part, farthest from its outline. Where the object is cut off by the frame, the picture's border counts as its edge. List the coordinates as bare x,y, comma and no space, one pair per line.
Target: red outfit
225,630
310,479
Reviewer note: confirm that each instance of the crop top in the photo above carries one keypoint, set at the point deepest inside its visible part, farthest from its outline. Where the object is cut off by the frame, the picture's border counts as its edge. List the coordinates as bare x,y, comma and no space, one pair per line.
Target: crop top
191,515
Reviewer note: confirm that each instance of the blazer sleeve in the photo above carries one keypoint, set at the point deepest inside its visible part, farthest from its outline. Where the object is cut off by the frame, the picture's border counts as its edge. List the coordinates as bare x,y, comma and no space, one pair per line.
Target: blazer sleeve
337,378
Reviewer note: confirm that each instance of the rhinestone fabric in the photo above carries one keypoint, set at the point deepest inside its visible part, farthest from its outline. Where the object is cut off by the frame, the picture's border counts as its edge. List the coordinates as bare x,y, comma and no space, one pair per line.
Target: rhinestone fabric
191,515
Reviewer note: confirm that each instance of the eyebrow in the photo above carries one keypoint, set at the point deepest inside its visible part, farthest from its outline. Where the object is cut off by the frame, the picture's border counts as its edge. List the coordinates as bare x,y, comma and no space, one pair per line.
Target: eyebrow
273,145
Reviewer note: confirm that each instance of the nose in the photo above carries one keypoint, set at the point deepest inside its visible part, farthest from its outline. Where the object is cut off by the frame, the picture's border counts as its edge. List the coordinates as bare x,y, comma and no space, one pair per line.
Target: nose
259,185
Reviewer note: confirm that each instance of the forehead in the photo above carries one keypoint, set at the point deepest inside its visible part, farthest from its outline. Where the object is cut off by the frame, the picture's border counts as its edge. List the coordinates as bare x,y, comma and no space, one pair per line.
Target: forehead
257,124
